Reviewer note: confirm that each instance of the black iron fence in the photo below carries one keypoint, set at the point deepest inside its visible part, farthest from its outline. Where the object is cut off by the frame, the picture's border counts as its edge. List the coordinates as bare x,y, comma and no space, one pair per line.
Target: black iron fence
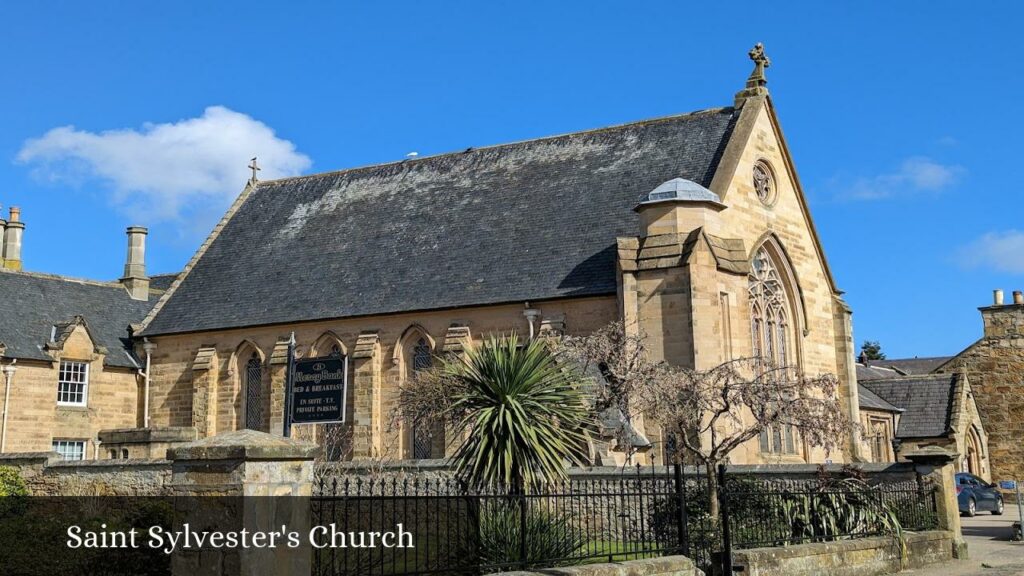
760,514
440,526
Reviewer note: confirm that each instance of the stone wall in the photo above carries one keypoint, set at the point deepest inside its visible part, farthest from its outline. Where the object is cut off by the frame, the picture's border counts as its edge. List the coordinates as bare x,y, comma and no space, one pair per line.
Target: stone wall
862,557
47,475
667,566
35,420
994,366
207,366
144,443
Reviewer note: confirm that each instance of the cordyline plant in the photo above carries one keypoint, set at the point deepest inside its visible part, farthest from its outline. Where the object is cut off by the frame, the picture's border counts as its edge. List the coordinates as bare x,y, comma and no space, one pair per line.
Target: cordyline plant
711,413
524,413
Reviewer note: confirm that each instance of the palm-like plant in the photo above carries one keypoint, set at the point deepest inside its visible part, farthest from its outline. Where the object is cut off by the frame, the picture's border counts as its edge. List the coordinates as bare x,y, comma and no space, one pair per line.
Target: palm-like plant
525,413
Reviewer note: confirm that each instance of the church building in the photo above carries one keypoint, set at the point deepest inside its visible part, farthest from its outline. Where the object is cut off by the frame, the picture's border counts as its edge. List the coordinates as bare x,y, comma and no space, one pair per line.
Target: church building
692,228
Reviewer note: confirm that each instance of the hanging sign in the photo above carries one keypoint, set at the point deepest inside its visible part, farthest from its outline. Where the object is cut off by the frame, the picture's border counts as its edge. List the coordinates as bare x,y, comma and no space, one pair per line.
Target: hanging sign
319,390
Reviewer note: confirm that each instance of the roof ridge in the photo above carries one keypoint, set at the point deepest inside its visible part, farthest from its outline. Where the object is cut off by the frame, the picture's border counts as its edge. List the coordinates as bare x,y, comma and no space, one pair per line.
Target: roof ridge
903,378
501,145
48,276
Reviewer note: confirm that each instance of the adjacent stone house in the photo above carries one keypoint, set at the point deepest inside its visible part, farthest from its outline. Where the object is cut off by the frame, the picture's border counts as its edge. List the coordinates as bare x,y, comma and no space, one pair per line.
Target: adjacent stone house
905,413
693,228
995,366
67,365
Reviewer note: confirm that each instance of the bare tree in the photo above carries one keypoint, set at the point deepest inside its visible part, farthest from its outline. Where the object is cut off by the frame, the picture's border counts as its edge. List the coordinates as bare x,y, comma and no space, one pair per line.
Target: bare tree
711,413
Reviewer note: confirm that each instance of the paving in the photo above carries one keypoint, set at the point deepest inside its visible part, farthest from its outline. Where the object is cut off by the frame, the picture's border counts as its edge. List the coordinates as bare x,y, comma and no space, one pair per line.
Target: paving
991,551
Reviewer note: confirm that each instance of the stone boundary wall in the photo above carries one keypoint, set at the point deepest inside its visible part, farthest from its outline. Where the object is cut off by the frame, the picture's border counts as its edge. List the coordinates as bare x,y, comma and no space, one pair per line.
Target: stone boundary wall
665,566
862,557
47,475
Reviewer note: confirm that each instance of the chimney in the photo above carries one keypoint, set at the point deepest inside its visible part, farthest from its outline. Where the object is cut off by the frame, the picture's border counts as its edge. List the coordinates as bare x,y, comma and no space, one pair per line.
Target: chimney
1002,320
12,239
3,229
135,279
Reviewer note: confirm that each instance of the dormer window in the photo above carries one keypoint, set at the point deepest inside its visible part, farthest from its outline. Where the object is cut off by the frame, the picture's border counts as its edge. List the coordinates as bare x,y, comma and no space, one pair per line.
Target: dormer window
72,383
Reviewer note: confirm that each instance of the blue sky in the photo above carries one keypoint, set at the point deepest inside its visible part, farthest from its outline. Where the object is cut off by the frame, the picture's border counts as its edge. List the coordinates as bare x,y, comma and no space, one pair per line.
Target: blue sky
902,119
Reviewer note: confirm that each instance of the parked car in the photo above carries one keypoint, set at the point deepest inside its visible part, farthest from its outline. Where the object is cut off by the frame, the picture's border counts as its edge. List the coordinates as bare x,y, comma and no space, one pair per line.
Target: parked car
974,494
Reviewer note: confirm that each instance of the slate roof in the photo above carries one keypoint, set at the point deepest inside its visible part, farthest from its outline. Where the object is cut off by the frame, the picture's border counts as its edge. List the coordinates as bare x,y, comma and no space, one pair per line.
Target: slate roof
927,403
870,401
912,366
869,372
32,304
525,221
161,282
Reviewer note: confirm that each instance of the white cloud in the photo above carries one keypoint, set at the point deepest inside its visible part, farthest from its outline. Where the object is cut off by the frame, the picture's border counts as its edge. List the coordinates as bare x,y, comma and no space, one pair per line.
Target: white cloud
1000,251
915,174
161,170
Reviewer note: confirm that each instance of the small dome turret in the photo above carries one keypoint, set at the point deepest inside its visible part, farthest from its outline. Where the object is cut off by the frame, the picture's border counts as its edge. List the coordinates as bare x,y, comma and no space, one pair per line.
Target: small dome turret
680,189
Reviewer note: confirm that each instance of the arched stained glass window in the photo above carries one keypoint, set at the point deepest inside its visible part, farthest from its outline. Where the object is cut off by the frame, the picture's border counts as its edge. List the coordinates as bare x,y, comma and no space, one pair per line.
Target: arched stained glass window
768,310
254,393
421,441
769,329
421,355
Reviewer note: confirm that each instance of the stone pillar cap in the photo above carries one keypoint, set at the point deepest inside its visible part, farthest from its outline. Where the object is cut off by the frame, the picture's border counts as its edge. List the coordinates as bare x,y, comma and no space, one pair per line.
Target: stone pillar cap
244,445
932,455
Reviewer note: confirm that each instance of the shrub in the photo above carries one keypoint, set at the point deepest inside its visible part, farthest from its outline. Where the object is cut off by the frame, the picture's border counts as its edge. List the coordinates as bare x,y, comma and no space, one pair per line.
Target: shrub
548,537
11,482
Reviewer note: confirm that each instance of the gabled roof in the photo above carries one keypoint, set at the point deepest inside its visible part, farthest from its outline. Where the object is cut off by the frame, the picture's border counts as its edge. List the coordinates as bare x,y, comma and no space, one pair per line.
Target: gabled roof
37,307
927,403
525,221
871,401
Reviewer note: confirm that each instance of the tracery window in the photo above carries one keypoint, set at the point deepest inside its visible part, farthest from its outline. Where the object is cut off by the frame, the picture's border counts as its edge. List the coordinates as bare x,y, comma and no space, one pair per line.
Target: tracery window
769,319
770,337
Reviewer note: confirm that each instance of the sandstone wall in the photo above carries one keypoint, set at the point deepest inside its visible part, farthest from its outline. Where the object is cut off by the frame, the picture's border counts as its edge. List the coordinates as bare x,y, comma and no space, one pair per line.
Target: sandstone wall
35,419
994,366
46,475
377,347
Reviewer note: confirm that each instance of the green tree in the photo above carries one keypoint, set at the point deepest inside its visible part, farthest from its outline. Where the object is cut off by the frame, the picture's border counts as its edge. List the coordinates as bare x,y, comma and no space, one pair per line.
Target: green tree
524,412
871,350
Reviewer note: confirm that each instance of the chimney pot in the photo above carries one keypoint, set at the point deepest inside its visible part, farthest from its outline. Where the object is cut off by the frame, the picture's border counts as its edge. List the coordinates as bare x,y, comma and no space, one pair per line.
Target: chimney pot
15,214
997,297
1018,297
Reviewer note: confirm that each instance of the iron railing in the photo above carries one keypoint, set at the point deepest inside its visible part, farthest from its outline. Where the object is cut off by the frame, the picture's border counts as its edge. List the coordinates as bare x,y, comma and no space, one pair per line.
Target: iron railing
638,513
760,515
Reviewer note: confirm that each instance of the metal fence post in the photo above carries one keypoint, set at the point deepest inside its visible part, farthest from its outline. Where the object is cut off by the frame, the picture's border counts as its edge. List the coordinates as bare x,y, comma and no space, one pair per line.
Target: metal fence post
522,528
723,507
683,530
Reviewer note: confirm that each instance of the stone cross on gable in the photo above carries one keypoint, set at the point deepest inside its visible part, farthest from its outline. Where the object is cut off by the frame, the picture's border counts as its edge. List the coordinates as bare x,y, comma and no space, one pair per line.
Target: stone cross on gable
761,62
255,168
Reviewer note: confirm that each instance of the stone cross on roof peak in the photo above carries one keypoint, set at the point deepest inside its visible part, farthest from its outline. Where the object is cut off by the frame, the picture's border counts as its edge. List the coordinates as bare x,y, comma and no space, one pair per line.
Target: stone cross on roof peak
757,82
761,62
255,168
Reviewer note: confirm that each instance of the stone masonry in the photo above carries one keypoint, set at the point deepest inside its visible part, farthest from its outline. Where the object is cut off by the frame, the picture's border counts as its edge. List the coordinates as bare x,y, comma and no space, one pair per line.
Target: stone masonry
995,367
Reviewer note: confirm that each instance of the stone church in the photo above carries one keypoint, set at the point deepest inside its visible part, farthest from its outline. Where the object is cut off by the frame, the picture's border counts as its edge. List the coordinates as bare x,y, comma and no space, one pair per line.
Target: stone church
693,228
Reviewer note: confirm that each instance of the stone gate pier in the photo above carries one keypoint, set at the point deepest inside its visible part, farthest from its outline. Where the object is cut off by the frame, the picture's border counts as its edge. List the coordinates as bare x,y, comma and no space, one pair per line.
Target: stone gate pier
243,480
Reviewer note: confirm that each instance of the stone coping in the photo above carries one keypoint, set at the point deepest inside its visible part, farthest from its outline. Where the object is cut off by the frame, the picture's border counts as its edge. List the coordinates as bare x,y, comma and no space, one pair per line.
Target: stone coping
665,565
244,445
442,465
110,463
819,548
148,435
11,458
424,465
